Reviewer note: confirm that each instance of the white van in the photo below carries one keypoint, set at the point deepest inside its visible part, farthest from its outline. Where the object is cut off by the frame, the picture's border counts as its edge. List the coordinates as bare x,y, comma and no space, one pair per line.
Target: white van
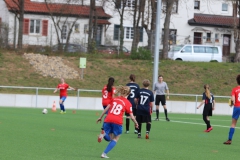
194,52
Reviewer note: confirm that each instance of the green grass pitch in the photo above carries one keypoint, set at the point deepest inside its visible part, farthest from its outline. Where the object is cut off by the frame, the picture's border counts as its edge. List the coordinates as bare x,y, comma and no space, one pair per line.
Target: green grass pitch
27,134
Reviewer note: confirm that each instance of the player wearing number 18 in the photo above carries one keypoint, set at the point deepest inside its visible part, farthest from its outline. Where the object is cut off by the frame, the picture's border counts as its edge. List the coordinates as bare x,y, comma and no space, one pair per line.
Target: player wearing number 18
144,108
113,121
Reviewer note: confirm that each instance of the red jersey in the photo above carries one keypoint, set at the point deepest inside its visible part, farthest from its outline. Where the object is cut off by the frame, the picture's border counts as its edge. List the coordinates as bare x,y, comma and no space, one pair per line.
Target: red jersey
63,89
236,94
107,96
118,106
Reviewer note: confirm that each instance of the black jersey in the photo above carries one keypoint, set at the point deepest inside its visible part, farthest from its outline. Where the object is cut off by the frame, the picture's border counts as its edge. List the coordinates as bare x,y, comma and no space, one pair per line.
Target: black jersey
145,97
134,90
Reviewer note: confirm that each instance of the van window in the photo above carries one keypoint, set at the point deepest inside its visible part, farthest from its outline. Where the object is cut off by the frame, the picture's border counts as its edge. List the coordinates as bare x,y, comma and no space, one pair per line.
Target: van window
212,50
199,49
176,48
187,49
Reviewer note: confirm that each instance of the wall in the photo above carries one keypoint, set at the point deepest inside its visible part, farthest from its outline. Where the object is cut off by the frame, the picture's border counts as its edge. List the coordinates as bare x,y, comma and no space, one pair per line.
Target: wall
86,103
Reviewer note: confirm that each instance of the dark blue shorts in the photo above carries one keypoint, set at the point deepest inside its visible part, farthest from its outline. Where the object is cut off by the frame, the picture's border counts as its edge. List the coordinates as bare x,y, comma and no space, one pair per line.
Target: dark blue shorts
236,112
116,129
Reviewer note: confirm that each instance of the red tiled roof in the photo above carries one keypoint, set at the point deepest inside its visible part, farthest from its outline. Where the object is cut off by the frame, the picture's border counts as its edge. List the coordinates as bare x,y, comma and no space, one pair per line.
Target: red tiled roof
213,20
103,21
56,8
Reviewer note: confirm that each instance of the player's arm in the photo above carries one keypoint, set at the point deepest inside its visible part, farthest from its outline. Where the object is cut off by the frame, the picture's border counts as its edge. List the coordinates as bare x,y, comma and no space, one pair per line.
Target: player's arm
104,111
201,104
233,99
55,90
71,88
134,120
213,105
167,93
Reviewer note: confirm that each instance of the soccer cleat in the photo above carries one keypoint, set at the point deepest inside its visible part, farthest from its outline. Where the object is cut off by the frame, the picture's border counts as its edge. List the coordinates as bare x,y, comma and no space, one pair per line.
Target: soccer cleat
156,119
167,119
228,142
64,112
127,132
209,129
139,136
61,112
101,135
136,132
104,155
147,136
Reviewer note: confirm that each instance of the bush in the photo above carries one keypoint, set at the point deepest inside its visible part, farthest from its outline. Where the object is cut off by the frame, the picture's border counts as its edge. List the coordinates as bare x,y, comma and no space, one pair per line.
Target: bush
141,53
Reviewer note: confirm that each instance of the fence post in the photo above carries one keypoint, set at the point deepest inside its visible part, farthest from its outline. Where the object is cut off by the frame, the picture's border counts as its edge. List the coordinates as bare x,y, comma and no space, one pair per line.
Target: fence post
77,98
196,105
36,97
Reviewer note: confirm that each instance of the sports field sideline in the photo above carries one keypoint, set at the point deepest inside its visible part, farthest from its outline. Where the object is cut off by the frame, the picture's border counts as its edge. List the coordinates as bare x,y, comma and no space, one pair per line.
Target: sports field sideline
27,134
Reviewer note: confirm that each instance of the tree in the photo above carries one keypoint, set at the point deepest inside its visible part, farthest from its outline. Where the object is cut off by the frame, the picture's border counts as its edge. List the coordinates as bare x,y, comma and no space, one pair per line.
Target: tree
168,13
18,9
60,17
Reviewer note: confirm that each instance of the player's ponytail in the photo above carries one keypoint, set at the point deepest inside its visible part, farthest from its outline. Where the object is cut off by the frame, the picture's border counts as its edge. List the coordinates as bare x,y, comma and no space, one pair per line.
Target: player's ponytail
110,84
132,77
207,91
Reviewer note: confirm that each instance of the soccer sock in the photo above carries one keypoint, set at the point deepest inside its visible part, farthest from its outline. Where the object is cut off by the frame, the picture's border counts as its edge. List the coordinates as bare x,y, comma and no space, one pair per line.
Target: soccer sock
110,146
231,132
148,127
107,137
208,124
206,121
61,106
165,111
139,128
157,113
127,124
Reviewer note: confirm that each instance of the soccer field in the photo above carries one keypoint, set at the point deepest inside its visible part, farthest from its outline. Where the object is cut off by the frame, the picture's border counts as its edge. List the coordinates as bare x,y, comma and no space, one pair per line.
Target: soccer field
27,134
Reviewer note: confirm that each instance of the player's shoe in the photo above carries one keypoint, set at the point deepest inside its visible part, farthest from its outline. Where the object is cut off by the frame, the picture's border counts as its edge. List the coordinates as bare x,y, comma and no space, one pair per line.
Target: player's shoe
167,119
209,129
127,132
101,135
61,112
228,142
104,155
64,112
147,136
156,119
136,132
139,136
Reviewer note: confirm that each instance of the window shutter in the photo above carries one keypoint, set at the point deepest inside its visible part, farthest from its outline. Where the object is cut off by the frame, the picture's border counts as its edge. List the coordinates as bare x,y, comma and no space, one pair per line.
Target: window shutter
118,4
44,27
26,26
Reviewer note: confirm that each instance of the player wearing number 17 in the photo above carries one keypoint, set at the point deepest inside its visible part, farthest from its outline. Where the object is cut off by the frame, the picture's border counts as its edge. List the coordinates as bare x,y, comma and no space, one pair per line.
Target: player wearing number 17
144,108
113,121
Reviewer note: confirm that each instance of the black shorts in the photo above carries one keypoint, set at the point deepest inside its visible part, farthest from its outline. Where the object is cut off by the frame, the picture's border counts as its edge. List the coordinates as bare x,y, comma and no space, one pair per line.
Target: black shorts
143,119
207,110
160,98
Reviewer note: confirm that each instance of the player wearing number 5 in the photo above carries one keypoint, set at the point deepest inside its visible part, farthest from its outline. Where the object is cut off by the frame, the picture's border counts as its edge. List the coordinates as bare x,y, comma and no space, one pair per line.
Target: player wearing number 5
144,108
108,93
134,87
113,121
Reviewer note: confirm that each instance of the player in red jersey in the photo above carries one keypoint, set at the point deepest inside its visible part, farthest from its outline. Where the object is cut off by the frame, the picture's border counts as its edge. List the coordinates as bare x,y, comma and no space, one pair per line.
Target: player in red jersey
108,93
63,94
113,121
235,96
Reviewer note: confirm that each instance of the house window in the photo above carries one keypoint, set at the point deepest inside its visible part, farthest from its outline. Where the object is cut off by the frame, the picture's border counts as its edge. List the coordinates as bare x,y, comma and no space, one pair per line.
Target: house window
86,28
118,4
76,28
128,33
35,26
208,37
197,5
130,4
172,36
224,7
64,32
174,8
216,37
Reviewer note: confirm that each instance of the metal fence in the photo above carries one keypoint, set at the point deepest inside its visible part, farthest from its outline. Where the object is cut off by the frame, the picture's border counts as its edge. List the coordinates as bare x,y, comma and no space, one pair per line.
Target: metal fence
79,91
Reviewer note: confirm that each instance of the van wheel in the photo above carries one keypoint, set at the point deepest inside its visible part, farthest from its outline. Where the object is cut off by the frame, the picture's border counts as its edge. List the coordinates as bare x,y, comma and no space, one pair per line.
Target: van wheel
178,59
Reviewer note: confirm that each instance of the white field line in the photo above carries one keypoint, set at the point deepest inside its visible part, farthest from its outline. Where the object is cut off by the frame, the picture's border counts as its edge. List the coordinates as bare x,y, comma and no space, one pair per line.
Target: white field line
162,119
212,119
